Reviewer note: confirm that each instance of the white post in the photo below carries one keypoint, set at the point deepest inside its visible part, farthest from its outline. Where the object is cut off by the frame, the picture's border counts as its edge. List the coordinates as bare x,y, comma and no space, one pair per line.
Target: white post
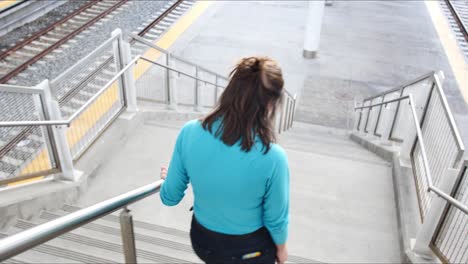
420,245
388,112
409,131
122,55
130,88
172,83
59,132
313,28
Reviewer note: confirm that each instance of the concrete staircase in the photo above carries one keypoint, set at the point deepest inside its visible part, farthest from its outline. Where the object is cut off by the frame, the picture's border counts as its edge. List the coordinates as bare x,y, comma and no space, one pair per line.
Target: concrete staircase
100,242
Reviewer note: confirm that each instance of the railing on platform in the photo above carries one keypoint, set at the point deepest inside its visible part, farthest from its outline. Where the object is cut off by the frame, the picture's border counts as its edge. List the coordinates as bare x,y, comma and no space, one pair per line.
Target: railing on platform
429,138
18,243
88,96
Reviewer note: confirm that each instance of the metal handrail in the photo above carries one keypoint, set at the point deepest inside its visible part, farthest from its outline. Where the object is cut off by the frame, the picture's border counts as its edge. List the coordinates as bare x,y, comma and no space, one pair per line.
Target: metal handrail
181,72
68,121
198,79
420,78
156,47
18,243
420,139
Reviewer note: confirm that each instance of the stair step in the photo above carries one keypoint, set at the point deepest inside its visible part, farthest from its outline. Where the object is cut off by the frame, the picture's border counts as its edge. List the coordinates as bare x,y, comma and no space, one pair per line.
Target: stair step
98,247
138,224
139,236
51,254
113,228
145,227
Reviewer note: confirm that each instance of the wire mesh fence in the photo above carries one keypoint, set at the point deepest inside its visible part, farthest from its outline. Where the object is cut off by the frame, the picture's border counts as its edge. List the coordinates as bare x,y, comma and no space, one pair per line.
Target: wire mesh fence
441,149
451,240
76,86
23,150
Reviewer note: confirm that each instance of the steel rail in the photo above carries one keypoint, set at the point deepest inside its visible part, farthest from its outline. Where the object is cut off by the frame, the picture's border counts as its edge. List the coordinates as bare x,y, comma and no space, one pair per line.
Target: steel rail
68,121
427,175
44,31
161,17
18,243
463,27
69,36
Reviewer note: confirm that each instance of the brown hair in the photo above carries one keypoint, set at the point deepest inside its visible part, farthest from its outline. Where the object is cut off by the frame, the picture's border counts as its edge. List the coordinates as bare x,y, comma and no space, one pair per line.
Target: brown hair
248,104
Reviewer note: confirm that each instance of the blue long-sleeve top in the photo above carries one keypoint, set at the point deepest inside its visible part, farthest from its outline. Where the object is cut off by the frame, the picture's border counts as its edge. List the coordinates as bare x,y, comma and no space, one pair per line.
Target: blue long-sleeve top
235,192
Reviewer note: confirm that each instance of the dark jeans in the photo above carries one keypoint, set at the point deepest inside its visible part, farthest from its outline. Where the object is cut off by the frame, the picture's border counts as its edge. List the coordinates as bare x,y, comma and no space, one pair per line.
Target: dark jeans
214,247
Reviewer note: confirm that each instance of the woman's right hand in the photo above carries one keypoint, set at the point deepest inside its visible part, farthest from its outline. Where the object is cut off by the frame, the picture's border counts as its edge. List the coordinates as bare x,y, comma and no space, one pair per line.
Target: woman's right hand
281,254
163,173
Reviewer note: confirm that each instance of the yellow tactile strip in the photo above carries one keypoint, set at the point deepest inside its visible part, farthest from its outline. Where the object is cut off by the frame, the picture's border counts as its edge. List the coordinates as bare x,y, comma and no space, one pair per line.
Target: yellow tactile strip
7,3
453,52
88,119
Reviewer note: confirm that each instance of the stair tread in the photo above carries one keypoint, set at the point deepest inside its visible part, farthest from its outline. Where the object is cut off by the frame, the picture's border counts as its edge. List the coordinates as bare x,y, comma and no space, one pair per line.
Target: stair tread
111,227
139,224
96,247
45,253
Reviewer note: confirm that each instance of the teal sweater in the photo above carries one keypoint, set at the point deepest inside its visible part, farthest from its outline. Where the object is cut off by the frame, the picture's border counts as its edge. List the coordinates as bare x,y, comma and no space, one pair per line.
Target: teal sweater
236,192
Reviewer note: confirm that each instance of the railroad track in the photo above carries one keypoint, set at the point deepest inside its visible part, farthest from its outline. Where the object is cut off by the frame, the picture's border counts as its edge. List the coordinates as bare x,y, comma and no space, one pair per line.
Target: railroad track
456,12
32,49
74,94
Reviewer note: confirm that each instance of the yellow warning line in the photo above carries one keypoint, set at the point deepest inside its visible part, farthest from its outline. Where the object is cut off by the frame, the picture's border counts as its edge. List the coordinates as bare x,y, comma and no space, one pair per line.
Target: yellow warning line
6,3
170,37
451,48
88,119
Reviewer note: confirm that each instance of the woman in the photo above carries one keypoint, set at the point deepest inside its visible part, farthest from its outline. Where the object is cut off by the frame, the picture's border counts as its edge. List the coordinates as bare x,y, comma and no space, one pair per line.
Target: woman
240,178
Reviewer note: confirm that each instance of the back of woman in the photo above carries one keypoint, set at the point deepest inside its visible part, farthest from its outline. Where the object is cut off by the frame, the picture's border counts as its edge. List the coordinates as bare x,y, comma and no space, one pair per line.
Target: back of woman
240,177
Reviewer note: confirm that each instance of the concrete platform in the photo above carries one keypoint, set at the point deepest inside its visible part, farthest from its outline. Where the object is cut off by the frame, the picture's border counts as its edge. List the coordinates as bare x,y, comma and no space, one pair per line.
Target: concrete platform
366,47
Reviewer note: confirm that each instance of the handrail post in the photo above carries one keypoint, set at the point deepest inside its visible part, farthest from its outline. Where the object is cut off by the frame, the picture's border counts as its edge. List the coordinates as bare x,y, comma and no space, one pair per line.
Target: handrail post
293,109
428,228
216,90
123,56
128,236
171,81
47,131
197,90
59,134
281,118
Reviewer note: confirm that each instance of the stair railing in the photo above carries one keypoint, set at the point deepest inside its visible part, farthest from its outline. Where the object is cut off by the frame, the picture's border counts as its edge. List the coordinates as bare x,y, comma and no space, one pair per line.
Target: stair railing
435,151
21,242
59,133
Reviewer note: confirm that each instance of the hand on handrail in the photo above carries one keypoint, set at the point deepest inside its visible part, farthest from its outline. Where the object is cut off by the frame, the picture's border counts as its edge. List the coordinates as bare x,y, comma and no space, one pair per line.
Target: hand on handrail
163,172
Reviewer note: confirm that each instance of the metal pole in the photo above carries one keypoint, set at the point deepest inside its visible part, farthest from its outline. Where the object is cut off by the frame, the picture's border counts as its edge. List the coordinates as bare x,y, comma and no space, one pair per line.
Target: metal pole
421,244
281,119
216,90
59,132
294,109
291,107
40,105
197,91
313,29
128,236
118,58
172,83
167,81
129,81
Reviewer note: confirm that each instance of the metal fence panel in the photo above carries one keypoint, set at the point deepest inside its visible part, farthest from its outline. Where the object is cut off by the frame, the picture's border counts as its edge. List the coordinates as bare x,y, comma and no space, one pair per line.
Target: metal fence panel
451,240
23,150
441,147
79,84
